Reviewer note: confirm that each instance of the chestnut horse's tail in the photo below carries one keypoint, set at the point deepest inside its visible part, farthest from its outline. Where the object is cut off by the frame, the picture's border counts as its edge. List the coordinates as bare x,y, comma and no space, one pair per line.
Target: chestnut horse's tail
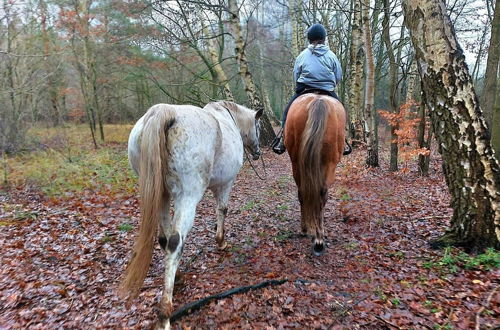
153,195
312,180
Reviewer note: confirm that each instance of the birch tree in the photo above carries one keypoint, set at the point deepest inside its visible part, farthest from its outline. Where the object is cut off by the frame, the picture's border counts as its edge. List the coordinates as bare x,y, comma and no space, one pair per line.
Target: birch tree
471,170
295,13
393,76
267,132
219,75
370,115
356,74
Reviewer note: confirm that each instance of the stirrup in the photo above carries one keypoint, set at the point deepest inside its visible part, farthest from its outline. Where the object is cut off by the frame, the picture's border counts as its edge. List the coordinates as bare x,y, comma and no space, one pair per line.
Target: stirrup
278,145
347,148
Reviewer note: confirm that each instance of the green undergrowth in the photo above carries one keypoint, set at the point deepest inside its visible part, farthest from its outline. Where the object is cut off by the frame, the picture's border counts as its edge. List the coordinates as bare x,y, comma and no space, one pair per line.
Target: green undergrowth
104,170
66,162
454,259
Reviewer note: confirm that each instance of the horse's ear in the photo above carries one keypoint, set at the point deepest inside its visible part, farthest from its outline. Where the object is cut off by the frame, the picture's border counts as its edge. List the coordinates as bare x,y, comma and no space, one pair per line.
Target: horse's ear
259,113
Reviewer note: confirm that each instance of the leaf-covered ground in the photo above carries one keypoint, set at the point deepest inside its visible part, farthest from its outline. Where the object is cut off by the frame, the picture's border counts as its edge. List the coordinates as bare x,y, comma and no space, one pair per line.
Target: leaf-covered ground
62,258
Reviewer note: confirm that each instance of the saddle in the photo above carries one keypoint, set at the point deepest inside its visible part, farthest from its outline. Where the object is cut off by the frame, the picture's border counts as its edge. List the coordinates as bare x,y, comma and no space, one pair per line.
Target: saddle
320,92
276,144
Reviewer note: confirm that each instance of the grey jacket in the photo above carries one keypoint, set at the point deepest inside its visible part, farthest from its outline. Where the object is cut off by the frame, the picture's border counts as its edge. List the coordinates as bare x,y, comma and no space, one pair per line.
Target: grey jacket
318,67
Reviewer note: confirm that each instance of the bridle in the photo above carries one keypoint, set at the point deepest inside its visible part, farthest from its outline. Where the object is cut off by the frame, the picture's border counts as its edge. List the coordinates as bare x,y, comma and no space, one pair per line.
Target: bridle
245,149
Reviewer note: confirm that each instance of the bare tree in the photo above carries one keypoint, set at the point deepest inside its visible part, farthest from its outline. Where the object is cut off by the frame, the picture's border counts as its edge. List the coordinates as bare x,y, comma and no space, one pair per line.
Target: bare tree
489,91
267,132
370,114
355,75
22,78
393,77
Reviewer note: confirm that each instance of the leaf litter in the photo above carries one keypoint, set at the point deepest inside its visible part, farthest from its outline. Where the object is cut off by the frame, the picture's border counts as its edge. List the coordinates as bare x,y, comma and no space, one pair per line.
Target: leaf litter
62,259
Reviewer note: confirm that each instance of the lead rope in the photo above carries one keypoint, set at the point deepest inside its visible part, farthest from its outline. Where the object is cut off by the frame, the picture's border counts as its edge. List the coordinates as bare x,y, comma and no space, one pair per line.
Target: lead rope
253,167
246,153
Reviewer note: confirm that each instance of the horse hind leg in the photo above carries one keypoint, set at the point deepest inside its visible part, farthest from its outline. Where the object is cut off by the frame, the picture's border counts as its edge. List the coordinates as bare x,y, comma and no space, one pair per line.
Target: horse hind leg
175,236
221,194
165,222
319,244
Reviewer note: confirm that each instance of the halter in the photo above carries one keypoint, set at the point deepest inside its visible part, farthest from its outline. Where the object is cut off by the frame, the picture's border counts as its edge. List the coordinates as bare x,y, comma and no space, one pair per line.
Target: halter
246,153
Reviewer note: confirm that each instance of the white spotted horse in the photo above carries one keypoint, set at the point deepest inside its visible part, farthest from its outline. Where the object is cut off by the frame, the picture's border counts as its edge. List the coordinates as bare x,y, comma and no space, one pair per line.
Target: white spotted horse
180,151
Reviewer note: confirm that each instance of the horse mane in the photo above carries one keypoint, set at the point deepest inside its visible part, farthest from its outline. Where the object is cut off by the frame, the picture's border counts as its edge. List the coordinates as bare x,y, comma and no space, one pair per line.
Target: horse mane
312,185
239,113
231,106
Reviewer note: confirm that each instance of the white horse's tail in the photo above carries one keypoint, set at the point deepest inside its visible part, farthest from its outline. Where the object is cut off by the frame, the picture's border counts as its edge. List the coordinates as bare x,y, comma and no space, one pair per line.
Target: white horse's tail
153,195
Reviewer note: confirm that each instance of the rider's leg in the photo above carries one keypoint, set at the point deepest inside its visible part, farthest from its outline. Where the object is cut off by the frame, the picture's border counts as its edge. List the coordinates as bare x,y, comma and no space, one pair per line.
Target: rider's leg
279,148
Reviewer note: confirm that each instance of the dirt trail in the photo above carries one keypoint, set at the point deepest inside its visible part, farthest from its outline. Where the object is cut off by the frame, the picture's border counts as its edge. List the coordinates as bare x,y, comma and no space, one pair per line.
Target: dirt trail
62,259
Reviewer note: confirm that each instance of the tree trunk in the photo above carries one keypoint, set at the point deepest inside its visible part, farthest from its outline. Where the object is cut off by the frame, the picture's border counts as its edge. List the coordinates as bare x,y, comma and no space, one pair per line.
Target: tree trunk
412,79
355,76
471,171
489,95
267,133
393,76
495,126
423,161
55,117
370,115
292,13
219,75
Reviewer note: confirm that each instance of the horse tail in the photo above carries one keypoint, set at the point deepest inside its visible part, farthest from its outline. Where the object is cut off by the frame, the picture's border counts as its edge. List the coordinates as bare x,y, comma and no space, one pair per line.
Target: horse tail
153,195
312,182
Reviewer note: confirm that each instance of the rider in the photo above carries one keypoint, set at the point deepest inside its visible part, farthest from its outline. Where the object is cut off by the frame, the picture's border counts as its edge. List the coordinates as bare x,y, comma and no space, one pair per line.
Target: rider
316,68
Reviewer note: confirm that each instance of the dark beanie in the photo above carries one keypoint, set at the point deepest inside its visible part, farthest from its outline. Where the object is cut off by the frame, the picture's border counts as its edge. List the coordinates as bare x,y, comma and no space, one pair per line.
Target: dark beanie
316,32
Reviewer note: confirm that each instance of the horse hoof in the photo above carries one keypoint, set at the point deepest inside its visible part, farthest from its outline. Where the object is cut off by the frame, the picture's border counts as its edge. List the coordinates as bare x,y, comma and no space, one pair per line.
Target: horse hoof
318,249
163,324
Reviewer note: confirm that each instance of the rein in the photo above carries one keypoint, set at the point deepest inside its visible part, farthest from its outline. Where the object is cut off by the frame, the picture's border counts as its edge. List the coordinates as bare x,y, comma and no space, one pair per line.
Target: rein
246,153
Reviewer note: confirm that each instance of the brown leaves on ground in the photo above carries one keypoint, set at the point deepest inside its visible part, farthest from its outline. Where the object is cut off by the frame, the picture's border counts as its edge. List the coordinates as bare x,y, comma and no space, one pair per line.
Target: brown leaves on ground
62,259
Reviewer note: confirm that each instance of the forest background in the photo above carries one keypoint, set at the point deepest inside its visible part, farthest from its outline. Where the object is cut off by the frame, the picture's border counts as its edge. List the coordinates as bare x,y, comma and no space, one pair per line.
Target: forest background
107,61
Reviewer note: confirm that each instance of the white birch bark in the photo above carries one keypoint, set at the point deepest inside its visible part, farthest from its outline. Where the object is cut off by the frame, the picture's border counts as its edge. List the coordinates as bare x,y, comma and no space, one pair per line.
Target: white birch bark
370,115
471,170
267,132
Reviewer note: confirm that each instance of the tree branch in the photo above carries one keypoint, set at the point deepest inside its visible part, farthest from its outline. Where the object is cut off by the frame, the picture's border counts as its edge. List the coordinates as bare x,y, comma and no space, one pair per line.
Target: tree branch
191,307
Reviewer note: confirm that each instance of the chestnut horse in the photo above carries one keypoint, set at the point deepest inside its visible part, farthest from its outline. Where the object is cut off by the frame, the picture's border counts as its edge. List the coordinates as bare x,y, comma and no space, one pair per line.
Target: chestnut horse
314,138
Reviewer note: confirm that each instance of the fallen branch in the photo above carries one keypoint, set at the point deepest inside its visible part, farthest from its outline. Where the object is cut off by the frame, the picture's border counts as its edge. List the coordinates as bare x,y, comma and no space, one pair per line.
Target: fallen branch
191,307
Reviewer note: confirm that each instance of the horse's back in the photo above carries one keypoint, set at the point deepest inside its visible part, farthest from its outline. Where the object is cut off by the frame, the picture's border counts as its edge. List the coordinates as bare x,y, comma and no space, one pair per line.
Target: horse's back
334,136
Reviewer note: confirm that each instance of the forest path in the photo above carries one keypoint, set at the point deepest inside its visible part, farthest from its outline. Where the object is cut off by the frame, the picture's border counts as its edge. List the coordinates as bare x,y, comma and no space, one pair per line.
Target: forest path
62,258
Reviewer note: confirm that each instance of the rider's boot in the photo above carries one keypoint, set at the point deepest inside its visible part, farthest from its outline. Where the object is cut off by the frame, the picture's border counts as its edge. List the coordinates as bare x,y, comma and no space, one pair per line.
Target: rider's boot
347,148
279,148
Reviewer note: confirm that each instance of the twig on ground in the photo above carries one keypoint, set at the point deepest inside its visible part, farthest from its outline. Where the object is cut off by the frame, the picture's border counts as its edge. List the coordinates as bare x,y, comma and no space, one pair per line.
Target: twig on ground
187,309
488,300
387,322
435,217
